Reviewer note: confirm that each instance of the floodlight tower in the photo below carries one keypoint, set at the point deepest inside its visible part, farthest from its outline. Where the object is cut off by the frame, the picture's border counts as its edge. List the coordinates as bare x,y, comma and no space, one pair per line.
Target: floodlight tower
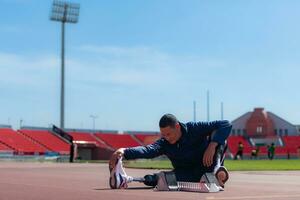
194,108
207,101
64,12
222,111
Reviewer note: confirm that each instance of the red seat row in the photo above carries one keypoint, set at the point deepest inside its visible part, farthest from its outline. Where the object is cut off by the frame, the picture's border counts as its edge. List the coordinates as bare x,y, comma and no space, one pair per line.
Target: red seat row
233,143
292,143
87,138
4,147
48,140
40,141
19,143
117,140
147,139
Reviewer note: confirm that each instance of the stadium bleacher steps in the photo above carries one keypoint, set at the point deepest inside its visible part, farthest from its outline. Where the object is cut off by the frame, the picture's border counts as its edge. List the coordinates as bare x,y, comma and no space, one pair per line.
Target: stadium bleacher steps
102,142
137,140
12,148
34,140
60,137
31,140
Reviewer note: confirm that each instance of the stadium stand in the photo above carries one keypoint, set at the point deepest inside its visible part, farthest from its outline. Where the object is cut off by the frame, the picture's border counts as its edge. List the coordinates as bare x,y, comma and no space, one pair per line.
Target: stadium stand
147,139
117,141
4,147
263,150
101,145
281,151
85,137
48,140
233,142
292,143
20,143
90,147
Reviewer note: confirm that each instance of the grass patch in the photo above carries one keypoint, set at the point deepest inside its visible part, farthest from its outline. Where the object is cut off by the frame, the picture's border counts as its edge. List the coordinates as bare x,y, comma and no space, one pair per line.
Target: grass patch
262,165
232,165
91,161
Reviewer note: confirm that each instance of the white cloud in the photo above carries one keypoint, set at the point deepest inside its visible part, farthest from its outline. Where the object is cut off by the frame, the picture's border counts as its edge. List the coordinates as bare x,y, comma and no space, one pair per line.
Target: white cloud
139,58
21,70
126,66
103,78
145,67
140,67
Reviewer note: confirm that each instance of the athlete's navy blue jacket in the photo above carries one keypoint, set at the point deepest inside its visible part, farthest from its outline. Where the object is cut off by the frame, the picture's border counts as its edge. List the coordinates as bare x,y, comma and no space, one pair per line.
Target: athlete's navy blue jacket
187,152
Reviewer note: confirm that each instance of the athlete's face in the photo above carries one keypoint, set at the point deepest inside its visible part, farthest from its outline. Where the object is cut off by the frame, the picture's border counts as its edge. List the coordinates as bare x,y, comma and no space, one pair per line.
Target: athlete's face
171,134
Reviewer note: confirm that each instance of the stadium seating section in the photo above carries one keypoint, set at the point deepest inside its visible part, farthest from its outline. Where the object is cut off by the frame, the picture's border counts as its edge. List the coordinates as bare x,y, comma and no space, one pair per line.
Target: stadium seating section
147,139
5,148
38,142
48,140
292,143
117,141
281,151
233,142
19,143
87,138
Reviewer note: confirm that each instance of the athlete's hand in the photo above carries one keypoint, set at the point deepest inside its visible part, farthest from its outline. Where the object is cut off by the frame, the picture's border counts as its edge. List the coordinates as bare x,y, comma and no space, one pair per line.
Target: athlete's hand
115,156
209,154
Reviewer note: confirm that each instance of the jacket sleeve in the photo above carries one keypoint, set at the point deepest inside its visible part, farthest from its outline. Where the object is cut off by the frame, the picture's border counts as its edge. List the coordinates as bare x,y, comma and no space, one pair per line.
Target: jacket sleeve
217,130
149,151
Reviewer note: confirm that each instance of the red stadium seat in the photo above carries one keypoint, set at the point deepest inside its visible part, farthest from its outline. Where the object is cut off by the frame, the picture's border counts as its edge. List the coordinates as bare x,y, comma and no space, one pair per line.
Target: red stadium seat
292,143
48,139
4,148
117,141
147,139
20,143
87,138
233,143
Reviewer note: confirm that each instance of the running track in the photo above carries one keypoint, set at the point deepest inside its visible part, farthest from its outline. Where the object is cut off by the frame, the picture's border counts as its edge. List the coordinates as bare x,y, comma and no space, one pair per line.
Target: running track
47,181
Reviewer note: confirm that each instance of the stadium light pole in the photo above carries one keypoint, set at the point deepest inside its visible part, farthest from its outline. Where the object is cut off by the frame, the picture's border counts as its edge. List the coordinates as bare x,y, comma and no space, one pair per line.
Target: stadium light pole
194,109
64,12
207,101
94,117
222,111
21,123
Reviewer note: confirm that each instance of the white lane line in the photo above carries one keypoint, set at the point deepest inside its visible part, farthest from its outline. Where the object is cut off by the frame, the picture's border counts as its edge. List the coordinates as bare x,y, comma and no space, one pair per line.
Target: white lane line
254,197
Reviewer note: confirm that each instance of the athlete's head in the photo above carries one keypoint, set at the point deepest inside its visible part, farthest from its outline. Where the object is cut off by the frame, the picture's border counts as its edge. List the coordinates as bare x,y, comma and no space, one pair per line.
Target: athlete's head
170,128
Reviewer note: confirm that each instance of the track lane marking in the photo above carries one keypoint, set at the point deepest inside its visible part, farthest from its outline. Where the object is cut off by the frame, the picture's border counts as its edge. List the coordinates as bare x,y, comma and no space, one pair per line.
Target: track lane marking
254,197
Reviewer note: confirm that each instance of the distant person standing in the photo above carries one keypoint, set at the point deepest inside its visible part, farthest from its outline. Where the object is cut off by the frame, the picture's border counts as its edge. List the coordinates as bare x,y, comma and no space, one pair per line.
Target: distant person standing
268,147
239,153
254,152
271,151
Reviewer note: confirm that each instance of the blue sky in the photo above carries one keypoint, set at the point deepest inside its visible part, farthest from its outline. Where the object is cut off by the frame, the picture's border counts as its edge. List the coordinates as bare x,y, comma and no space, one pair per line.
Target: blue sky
129,62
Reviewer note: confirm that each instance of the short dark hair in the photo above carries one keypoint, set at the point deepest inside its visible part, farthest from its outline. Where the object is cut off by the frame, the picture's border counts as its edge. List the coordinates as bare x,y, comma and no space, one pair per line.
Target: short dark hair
167,120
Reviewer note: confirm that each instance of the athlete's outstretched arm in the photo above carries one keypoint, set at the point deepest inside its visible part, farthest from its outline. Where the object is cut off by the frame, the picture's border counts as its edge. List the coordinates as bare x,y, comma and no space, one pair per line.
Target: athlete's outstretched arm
149,151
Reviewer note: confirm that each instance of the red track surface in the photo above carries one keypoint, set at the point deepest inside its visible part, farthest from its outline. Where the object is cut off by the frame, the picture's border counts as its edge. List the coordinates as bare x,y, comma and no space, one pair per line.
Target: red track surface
47,181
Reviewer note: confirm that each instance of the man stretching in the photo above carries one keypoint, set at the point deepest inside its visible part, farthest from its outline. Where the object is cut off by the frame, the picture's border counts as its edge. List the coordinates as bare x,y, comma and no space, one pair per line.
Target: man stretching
194,148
